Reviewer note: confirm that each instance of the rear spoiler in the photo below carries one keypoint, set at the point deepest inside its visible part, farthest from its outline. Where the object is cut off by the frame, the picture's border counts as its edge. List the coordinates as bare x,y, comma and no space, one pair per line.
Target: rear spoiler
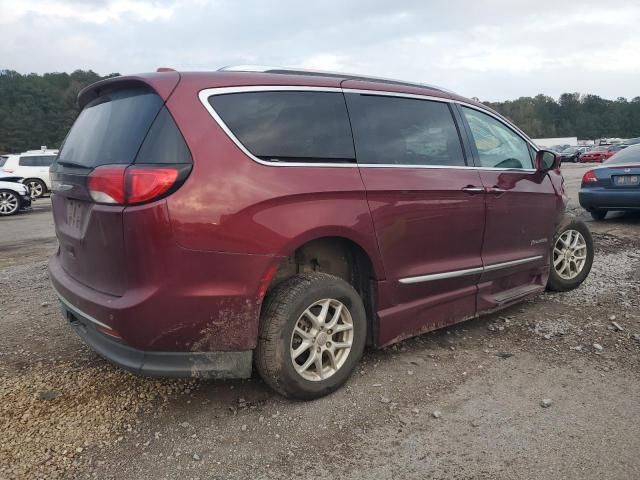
164,83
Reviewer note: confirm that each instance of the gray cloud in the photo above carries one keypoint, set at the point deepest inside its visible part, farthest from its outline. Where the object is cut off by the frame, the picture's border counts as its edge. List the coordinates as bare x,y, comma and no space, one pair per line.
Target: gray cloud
492,49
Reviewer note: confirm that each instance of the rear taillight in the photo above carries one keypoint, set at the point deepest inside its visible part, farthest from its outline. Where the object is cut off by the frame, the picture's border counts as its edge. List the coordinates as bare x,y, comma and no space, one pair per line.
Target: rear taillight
145,184
106,184
9,170
589,177
135,184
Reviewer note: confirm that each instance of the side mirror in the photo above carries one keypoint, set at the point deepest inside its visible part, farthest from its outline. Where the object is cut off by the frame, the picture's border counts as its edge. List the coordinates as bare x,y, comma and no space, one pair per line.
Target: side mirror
547,160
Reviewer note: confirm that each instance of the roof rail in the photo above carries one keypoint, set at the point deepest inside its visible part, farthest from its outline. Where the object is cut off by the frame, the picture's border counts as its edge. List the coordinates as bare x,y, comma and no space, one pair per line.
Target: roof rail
322,73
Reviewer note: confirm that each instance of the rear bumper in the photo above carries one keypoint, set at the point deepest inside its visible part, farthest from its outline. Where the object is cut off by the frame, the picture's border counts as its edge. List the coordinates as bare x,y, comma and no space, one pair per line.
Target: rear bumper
607,198
205,302
210,365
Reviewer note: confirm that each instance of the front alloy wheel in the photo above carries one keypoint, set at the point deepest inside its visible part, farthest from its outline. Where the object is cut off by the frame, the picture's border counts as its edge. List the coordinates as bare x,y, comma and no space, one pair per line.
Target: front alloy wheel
9,203
571,256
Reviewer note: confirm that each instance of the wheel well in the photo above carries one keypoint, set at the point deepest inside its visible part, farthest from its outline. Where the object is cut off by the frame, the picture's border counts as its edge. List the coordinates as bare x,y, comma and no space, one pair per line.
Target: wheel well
337,256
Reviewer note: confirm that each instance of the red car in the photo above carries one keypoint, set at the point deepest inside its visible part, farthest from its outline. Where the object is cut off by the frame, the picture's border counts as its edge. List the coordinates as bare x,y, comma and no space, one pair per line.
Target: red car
208,221
597,154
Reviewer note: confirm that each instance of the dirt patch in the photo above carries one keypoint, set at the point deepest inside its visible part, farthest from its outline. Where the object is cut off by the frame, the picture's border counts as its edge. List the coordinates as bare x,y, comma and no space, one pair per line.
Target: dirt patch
49,418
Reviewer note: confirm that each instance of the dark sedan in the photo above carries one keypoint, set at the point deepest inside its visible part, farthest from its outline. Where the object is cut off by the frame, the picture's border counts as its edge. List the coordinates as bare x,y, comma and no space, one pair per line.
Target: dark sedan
570,154
613,186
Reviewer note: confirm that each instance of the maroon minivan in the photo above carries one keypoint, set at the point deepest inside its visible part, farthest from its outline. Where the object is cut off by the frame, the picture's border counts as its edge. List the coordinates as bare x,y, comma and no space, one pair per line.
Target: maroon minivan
211,221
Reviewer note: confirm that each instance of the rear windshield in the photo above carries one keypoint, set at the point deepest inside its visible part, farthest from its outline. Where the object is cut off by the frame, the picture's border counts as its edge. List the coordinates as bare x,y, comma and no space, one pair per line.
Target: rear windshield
111,128
628,155
289,126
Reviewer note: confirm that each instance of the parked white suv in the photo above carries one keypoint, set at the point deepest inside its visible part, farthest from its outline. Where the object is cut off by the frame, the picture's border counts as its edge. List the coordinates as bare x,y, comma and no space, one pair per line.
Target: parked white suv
33,166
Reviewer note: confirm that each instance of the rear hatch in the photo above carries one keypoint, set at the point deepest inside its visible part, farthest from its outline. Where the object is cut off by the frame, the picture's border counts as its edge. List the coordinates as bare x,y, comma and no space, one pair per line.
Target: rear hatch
122,128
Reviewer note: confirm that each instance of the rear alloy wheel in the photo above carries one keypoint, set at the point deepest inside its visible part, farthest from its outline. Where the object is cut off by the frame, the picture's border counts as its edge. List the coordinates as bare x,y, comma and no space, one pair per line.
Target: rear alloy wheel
9,203
598,214
572,255
321,340
36,187
312,335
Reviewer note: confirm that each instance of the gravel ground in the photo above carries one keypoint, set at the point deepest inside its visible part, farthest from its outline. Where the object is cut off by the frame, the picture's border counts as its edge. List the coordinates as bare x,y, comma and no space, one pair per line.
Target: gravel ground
465,402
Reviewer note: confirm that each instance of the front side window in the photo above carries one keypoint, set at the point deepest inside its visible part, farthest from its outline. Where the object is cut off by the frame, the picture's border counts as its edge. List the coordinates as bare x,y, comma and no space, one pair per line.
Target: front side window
403,131
498,146
296,126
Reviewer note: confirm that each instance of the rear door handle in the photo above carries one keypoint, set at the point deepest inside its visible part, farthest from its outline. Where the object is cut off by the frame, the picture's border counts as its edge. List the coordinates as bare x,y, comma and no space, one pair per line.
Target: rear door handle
496,190
470,189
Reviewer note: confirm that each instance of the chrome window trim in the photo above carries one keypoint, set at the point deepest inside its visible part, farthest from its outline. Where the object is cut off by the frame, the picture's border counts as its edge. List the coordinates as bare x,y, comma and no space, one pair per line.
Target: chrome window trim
469,271
77,311
448,167
206,93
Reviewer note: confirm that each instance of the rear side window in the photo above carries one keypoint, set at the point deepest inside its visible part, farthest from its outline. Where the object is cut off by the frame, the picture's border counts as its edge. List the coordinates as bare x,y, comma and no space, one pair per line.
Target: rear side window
36,161
3,160
289,126
498,146
404,131
111,128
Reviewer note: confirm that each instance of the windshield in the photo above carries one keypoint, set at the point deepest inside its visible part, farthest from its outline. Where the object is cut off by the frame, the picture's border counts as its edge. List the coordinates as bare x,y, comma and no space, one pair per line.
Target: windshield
111,128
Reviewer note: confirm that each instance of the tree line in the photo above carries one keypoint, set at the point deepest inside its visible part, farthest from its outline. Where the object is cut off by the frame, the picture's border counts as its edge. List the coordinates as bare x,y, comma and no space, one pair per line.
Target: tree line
38,110
573,115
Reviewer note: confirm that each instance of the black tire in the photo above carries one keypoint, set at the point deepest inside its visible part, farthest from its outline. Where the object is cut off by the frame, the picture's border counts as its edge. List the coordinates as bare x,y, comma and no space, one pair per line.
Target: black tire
280,313
598,214
14,199
556,282
37,187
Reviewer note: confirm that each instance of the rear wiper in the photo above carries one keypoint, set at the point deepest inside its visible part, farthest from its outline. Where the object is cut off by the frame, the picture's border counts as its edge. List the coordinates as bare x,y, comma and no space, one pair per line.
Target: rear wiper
64,163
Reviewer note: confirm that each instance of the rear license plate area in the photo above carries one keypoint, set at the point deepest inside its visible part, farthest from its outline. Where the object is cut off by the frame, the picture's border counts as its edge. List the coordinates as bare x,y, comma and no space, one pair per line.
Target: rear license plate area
77,212
626,180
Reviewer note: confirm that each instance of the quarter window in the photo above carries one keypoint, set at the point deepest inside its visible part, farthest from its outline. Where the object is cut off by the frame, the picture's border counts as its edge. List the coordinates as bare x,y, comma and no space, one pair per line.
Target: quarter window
403,131
297,126
498,146
36,161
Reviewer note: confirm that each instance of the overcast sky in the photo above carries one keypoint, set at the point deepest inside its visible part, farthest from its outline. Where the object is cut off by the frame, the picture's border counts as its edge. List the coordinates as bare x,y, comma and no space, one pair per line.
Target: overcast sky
491,49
